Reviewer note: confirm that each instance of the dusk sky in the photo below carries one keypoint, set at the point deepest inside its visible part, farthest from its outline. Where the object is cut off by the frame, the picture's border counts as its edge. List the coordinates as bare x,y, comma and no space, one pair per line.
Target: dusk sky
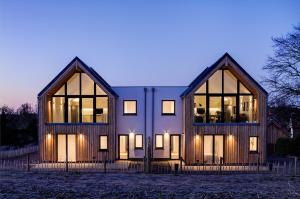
133,43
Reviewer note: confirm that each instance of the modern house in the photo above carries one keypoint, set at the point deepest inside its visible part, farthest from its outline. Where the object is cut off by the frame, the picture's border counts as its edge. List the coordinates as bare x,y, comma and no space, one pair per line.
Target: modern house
219,117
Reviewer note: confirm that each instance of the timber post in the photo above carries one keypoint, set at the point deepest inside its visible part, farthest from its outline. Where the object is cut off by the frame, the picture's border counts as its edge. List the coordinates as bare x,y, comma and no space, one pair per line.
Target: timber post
67,166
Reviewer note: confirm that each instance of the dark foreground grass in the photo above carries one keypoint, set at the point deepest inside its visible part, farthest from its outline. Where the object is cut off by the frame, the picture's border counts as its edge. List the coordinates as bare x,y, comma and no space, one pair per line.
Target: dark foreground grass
117,185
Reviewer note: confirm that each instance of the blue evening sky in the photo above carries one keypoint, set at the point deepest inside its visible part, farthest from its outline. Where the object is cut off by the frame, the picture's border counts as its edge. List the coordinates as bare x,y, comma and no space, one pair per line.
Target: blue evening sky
133,42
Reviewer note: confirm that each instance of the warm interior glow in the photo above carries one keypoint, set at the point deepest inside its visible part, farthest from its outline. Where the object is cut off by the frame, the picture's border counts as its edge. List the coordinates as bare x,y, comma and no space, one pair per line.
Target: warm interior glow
129,107
175,147
168,107
123,147
61,147
103,142
253,145
159,141
138,141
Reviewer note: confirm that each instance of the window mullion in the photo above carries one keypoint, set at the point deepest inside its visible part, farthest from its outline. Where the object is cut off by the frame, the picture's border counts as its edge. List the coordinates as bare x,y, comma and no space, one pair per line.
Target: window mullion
80,100
222,98
238,102
207,103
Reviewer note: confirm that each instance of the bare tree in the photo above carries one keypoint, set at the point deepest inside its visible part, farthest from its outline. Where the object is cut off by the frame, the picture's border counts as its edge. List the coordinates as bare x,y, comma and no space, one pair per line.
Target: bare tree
283,70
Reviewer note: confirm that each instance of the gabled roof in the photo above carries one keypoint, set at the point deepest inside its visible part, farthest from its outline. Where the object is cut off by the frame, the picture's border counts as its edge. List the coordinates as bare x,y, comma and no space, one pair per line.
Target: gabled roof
208,70
87,68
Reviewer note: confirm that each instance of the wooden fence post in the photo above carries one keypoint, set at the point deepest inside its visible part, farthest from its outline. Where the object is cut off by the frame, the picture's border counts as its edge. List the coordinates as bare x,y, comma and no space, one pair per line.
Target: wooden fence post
180,164
28,166
258,162
67,169
295,166
105,163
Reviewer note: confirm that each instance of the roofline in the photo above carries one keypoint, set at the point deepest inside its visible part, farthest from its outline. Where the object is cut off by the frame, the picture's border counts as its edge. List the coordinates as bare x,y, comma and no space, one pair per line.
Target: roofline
207,70
89,69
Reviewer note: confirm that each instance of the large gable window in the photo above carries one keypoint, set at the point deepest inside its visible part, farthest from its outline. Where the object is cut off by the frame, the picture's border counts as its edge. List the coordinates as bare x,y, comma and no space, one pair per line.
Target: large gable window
223,98
79,100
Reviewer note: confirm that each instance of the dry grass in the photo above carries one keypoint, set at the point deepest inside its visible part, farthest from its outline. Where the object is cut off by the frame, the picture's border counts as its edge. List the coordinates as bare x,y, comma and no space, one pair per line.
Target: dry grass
99,185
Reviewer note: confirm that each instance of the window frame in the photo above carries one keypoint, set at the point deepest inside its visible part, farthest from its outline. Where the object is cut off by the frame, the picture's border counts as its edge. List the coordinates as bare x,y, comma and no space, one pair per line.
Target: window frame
80,96
162,108
100,149
257,144
129,114
222,95
163,137
135,147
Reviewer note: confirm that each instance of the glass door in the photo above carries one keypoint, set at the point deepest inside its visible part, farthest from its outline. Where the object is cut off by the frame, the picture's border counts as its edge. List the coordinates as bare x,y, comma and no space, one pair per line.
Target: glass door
213,149
62,145
175,147
123,147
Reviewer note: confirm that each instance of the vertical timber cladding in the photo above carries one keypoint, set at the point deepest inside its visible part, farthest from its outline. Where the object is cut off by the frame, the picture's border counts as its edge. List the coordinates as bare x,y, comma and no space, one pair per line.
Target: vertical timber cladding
236,147
87,135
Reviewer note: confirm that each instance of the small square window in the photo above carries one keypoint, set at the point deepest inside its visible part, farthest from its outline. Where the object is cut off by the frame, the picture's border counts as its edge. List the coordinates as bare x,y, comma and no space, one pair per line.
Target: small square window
168,107
129,107
253,144
103,142
138,141
159,141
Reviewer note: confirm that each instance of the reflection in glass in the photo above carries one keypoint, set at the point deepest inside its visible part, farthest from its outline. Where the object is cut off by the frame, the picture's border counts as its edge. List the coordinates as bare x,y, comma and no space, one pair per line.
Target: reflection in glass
73,110
101,109
215,109
243,89
73,85
87,85
246,109
61,91
58,107
202,89
99,91
230,82
219,148
215,82
208,149
87,110
229,109
199,109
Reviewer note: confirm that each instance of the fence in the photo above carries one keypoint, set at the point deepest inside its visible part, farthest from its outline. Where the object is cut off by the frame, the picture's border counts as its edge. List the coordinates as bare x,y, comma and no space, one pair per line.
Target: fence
288,166
18,152
30,161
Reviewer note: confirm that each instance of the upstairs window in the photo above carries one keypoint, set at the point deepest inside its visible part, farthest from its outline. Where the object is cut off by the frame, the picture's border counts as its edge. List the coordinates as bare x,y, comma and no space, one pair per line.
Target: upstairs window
79,100
168,107
224,99
129,107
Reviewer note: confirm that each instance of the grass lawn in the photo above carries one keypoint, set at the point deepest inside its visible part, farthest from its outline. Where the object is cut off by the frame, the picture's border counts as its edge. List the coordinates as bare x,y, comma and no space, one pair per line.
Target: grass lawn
118,185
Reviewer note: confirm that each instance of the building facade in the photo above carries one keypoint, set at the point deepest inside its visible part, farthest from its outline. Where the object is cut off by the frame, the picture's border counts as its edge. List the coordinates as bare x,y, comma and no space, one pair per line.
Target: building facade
219,118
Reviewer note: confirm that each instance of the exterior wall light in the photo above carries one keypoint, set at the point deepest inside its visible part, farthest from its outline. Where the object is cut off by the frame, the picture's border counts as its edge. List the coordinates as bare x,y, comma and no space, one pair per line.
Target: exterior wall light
49,135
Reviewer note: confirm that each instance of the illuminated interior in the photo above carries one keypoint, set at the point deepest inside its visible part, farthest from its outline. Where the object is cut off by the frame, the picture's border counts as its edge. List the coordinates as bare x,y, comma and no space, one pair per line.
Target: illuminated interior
103,142
130,107
253,144
168,107
138,141
61,148
226,99
213,148
74,105
175,147
159,141
123,147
